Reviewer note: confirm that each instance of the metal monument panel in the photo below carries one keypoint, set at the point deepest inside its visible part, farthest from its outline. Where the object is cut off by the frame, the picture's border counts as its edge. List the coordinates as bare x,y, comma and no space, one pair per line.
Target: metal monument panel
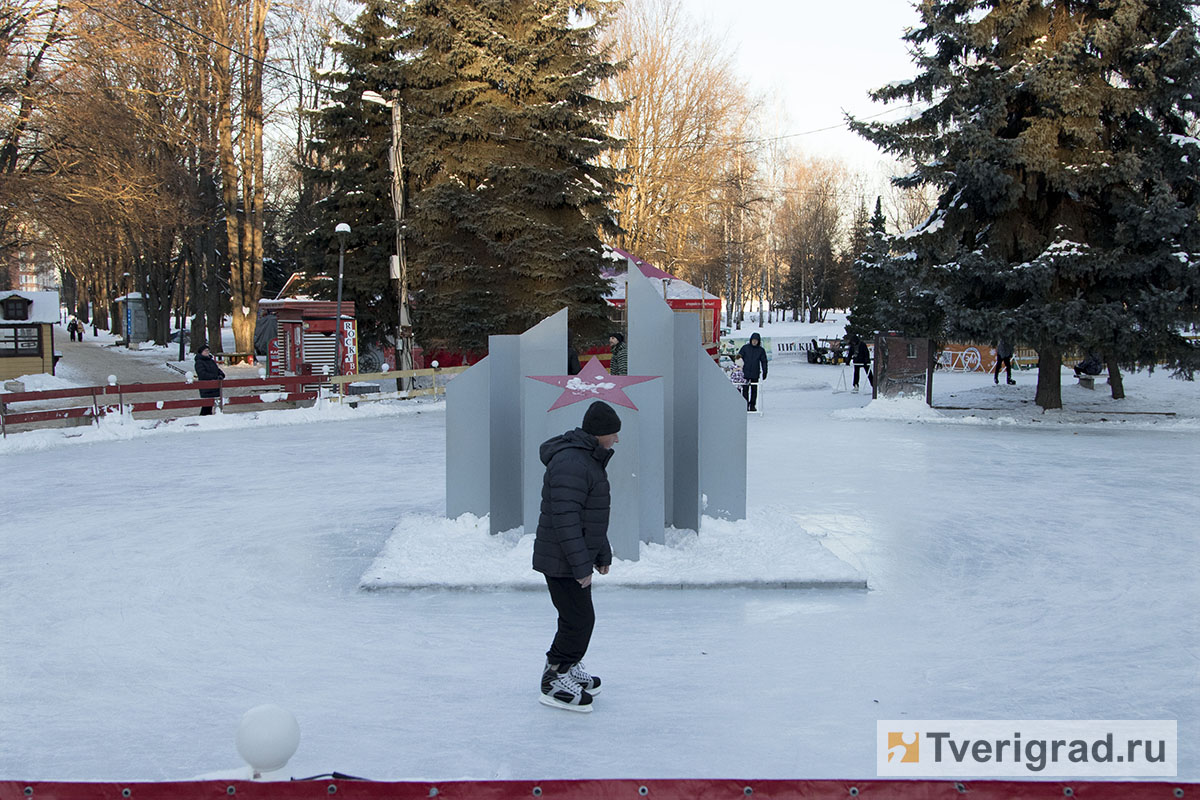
468,442
722,444
682,450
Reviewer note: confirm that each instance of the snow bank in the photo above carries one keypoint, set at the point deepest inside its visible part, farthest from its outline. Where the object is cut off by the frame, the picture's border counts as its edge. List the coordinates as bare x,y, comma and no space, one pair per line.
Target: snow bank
41,382
428,551
117,427
911,409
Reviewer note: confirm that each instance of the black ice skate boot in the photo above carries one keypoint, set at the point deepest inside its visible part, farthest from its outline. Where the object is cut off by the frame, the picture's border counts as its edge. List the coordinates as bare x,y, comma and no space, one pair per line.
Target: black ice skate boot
589,682
561,690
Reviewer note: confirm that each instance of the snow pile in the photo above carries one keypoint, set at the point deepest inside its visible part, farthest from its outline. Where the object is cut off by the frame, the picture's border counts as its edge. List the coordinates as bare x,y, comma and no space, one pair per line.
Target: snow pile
40,383
428,551
893,409
115,427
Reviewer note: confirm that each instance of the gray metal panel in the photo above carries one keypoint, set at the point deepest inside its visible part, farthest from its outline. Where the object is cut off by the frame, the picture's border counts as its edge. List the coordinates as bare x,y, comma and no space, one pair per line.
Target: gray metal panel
722,444
543,352
650,467
685,457
540,426
467,443
651,352
505,443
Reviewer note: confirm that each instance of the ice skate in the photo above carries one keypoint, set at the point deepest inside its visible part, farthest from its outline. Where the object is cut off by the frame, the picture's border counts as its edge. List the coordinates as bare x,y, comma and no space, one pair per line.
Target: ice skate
562,690
1011,382
589,682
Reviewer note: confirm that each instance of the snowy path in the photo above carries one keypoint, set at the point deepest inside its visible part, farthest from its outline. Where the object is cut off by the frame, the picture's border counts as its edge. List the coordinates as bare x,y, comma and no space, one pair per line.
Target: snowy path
152,590
90,362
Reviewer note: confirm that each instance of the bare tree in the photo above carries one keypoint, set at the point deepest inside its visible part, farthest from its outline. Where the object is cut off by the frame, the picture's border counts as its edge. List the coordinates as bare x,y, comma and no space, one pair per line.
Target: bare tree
682,103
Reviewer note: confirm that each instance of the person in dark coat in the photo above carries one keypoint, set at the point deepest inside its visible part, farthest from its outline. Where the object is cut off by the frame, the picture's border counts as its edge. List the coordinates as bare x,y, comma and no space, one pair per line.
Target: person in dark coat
754,368
207,370
619,365
860,355
1004,354
571,543
1091,365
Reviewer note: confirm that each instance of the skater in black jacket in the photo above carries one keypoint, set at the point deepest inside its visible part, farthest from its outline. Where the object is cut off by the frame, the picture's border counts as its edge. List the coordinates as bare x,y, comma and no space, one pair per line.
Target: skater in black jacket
861,356
754,367
207,370
571,542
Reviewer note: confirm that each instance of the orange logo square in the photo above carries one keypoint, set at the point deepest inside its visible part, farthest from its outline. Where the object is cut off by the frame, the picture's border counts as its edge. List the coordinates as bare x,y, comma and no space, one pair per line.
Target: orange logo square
903,747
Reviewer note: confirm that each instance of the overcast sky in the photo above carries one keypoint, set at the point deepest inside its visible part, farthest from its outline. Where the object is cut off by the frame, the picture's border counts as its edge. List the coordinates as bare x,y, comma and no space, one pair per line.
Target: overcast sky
817,57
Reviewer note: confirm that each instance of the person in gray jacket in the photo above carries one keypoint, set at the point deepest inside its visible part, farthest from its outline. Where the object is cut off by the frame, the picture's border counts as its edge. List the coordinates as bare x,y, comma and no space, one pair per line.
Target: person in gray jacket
571,542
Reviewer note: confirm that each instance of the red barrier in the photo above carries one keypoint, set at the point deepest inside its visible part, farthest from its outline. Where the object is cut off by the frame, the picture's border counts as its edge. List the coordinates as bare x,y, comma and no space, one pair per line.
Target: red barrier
603,790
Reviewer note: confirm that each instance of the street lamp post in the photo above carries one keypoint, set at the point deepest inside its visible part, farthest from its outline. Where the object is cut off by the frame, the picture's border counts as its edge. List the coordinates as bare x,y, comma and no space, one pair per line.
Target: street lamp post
404,359
128,313
342,230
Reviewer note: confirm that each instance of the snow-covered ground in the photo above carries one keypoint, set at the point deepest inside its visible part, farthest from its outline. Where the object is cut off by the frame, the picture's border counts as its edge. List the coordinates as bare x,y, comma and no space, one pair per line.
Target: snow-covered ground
155,584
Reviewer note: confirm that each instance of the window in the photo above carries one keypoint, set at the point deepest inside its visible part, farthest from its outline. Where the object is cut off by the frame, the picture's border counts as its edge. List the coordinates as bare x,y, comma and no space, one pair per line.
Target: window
24,340
16,307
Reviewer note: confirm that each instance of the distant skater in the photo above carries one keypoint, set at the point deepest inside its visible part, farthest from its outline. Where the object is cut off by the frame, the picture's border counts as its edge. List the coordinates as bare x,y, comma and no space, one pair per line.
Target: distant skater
1004,354
207,370
619,364
861,356
754,367
571,543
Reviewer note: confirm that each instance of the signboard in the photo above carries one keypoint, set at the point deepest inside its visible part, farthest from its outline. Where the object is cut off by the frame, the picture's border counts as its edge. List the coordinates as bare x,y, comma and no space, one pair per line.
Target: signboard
349,334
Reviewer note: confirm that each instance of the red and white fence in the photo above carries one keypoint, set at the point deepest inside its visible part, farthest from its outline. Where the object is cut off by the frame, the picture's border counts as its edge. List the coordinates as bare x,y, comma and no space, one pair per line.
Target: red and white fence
98,401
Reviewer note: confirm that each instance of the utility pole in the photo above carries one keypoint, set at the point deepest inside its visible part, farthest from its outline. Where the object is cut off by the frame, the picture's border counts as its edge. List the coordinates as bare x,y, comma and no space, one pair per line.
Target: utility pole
399,270
404,333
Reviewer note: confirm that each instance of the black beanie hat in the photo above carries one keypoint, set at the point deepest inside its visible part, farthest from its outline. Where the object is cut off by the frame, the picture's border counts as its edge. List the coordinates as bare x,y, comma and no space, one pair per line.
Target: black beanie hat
620,337
600,419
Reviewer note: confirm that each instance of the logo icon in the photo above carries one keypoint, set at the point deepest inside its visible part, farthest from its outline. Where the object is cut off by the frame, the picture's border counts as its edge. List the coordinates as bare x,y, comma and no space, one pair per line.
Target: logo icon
903,747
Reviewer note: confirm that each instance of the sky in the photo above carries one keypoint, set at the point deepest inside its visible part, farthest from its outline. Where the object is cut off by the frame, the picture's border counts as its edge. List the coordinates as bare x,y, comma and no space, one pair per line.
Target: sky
817,59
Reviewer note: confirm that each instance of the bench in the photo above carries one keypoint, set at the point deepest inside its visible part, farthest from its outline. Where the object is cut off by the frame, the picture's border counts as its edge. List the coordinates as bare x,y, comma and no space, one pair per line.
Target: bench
1088,381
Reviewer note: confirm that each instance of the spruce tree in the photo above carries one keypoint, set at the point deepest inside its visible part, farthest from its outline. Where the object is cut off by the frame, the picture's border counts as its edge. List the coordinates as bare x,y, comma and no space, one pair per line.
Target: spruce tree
502,138
354,179
875,297
1058,135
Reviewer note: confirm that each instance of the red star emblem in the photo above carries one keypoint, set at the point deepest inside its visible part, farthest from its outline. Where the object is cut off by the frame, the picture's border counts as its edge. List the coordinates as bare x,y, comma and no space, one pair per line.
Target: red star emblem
593,383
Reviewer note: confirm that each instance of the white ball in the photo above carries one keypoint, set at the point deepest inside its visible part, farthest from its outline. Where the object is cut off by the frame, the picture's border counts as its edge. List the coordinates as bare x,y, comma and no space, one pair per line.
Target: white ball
434,365
112,380
267,737
384,367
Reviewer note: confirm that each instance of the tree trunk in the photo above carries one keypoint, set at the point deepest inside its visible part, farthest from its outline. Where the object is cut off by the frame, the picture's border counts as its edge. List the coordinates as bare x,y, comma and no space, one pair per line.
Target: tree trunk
1114,380
1049,387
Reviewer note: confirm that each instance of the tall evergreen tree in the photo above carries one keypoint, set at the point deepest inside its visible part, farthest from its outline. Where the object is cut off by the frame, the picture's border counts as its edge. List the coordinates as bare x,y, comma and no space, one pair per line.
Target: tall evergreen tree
502,137
875,296
1058,134
353,179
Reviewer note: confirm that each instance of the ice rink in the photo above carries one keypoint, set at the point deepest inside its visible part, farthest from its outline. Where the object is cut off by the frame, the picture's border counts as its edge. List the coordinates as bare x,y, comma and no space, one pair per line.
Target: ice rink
153,589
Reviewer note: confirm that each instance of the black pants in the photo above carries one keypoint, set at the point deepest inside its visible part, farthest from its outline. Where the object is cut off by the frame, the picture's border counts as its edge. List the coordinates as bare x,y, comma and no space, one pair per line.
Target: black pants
1007,364
576,618
870,377
750,392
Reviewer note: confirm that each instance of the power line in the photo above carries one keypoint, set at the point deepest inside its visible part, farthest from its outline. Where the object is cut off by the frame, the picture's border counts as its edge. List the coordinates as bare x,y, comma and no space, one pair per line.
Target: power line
331,87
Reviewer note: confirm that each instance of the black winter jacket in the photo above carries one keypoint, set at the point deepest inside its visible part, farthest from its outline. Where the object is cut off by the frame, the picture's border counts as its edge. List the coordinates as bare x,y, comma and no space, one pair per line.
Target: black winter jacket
207,370
572,530
754,359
